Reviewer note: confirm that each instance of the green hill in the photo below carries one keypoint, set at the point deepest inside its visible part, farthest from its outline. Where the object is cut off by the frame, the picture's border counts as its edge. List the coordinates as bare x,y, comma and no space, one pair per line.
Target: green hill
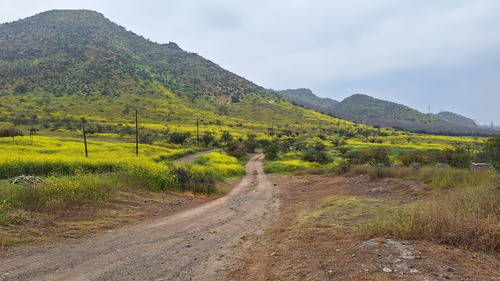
375,112
59,66
306,98
455,119
372,108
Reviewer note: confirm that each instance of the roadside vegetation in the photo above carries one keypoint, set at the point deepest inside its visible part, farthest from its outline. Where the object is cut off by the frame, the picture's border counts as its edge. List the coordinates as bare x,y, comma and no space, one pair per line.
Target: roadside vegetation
70,181
459,205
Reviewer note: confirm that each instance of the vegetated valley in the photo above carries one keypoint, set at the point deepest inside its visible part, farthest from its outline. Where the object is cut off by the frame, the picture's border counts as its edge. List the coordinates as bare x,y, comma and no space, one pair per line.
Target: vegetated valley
93,118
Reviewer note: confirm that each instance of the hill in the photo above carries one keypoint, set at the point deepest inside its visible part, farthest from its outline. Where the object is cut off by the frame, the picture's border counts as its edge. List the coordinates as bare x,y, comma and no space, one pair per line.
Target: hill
372,108
455,119
60,66
375,112
306,98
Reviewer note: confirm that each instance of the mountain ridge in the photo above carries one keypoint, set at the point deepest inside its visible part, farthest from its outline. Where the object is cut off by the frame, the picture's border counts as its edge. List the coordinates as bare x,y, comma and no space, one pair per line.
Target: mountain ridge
59,67
376,112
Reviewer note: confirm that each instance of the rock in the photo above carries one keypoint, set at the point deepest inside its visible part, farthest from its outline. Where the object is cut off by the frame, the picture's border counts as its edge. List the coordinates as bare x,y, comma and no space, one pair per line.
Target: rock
386,269
27,180
273,254
413,271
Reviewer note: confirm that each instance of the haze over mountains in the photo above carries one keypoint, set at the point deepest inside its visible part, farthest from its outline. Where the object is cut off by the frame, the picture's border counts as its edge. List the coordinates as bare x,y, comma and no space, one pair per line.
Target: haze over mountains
371,111
77,64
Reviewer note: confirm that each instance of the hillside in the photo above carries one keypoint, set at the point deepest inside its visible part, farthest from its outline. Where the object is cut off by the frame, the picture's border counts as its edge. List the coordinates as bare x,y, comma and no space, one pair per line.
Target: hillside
306,98
60,66
372,108
79,52
375,112
455,119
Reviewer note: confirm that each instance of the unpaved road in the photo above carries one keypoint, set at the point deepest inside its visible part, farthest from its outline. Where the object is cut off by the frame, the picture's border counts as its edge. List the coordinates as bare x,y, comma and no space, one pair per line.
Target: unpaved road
191,245
190,158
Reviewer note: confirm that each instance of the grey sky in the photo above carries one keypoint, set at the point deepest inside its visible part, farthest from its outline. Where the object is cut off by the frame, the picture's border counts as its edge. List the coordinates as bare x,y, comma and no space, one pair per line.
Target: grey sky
440,53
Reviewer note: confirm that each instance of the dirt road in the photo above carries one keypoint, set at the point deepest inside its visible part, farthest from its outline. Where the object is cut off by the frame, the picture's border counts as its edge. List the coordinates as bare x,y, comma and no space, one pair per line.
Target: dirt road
192,245
190,158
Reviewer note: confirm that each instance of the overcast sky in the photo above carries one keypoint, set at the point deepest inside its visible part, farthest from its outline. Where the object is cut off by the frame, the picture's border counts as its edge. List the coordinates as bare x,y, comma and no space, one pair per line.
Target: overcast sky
442,54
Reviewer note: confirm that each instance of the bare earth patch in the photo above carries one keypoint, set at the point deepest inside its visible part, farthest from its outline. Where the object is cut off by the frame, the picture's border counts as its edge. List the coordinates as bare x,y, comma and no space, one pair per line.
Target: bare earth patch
316,237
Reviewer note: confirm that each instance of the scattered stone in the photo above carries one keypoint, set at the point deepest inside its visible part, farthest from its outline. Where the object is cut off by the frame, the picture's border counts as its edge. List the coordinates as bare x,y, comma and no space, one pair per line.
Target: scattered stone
413,271
27,180
386,269
415,166
273,254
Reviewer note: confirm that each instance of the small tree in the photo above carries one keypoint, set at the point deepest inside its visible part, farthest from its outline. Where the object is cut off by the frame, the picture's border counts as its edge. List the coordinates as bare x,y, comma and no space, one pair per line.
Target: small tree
207,138
271,150
458,155
313,155
10,132
375,156
235,149
226,137
179,138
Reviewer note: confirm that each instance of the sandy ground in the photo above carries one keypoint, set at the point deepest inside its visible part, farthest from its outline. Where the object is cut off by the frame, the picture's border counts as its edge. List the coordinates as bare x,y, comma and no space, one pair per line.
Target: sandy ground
191,245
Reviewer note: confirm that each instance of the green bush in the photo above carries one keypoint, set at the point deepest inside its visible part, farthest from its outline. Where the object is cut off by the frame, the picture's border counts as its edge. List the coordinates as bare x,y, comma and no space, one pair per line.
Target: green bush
271,151
313,155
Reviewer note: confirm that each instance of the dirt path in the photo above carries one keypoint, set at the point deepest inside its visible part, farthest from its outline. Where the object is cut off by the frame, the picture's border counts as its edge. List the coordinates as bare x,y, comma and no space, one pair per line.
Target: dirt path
193,245
190,158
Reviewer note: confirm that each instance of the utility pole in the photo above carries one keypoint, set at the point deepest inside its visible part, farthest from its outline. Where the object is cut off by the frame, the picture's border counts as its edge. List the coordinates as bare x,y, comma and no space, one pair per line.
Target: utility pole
85,138
197,133
272,124
136,135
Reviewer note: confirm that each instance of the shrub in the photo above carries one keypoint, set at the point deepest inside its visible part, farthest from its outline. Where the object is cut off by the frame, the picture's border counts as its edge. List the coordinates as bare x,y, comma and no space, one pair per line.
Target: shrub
458,155
271,151
235,149
251,145
492,147
10,132
179,138
317,156
207,138
414,156
375,156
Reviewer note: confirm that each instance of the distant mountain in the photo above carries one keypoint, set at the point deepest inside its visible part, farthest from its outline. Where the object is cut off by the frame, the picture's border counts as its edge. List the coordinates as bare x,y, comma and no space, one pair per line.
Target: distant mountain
455,119
371,111
306,98
372,108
